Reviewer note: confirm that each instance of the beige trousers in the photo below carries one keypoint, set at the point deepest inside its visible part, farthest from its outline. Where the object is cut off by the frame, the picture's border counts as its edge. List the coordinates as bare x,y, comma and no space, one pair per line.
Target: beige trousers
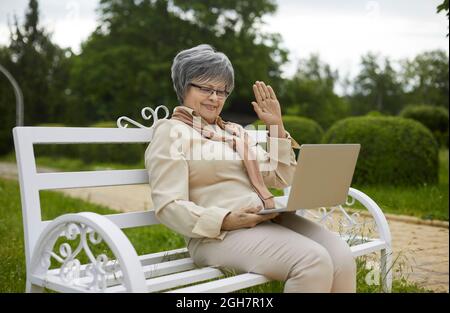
305,255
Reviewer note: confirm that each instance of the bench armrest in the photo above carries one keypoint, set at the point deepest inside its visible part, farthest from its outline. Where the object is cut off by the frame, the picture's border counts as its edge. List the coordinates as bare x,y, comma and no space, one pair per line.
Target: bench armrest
376,212
373,208
93,229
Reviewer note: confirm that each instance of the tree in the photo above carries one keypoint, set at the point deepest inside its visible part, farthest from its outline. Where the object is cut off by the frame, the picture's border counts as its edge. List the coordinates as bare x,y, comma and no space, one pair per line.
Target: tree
310,93
7,104
236,26
40,68
37,66
443,7
125,64
376,87
426,78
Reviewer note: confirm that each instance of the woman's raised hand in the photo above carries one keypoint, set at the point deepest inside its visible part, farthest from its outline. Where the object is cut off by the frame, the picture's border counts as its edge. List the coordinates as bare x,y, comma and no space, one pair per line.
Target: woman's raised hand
245,218
268,109
266,106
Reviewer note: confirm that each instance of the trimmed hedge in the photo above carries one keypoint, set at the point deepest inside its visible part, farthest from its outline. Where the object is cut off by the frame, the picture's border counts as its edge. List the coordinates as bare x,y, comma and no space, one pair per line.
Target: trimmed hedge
302,129
374,114
394,150
435,118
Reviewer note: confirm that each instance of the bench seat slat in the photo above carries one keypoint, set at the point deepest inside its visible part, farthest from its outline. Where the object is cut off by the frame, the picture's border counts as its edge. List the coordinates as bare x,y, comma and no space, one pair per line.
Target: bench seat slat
146,259
153,284
150,271
159,257
55,283
174,280
368,247
226,284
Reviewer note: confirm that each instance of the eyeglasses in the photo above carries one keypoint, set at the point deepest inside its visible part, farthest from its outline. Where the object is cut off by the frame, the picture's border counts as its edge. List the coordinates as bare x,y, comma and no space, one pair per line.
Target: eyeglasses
209,91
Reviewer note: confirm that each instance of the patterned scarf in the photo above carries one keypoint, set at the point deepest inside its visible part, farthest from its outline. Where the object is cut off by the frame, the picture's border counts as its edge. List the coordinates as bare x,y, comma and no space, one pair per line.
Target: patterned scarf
239,142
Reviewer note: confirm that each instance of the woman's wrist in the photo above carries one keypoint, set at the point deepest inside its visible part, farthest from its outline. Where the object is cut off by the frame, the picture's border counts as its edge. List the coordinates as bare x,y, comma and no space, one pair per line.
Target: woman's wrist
277,130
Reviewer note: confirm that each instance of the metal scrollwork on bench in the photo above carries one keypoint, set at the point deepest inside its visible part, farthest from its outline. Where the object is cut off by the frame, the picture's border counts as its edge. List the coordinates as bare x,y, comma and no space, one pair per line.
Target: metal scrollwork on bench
352,226
93,276
147,114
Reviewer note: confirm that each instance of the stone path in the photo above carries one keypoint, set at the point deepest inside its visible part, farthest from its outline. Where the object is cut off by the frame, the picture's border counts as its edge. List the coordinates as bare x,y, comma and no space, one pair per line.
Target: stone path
423,249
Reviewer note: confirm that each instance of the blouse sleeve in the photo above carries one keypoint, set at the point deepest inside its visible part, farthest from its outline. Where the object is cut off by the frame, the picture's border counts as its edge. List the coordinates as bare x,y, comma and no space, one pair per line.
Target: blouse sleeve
278,163
168,173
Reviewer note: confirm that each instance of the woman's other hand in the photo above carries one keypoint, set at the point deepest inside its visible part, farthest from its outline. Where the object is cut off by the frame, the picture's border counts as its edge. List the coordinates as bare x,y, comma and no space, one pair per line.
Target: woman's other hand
245,218
268,109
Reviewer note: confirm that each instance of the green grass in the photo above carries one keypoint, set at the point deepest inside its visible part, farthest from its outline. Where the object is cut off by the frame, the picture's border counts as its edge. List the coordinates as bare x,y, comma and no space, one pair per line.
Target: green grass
69,165
145,240
426,202
12,266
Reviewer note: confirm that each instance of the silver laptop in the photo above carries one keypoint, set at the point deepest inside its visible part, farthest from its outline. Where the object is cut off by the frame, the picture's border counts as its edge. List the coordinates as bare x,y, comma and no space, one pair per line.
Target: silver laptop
322,177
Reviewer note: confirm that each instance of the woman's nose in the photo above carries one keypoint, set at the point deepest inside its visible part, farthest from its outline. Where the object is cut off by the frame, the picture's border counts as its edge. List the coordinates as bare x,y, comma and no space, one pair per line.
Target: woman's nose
213,95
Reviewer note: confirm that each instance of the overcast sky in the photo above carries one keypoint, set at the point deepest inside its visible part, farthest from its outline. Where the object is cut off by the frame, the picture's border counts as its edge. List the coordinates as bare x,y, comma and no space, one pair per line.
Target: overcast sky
340,31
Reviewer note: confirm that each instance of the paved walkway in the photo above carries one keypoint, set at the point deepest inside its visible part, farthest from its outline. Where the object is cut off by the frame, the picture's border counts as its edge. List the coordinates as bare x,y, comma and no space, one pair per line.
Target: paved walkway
423,249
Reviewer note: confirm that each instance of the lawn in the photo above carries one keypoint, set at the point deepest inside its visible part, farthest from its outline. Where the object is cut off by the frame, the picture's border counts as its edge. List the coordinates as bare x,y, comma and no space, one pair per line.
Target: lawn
145,240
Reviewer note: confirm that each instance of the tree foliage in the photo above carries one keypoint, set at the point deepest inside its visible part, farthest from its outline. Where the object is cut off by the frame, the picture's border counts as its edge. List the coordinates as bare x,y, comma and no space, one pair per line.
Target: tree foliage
40,68
310,93
426,79
376,87
443,7
125,64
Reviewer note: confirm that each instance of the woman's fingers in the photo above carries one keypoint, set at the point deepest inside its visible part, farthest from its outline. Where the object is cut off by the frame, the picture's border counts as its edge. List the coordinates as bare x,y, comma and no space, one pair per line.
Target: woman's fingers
263,217
259,97
262,90
266,90
264,95
252,209
257,93
257,109
253,219
272,93
267,217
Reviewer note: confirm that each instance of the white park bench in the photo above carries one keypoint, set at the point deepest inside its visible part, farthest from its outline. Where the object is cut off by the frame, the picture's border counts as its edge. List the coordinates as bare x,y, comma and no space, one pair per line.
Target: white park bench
128,272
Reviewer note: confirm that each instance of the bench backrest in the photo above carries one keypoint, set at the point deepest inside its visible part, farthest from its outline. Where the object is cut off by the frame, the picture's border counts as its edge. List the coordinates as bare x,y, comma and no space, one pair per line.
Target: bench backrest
31,182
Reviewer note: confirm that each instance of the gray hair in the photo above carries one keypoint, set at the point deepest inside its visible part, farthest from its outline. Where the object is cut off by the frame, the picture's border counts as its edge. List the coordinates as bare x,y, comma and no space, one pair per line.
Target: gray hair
201,63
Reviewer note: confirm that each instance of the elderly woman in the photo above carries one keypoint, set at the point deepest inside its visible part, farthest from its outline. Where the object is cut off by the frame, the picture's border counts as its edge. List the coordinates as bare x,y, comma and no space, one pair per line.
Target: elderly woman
208,181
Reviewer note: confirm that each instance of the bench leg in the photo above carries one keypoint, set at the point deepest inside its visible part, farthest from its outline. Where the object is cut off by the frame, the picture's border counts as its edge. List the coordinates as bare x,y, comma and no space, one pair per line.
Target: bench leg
386,270
31,288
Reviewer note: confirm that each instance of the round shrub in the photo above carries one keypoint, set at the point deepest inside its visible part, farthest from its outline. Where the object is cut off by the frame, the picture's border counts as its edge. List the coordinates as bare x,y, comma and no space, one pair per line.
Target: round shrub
435,118
302,129
394,150
374,113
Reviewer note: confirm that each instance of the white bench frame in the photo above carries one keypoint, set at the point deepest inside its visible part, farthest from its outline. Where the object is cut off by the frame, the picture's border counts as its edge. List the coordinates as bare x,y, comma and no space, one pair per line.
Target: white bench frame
145,273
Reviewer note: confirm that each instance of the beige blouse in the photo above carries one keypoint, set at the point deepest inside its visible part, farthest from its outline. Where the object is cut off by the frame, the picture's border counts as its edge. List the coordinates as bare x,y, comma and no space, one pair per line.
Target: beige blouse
196,182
